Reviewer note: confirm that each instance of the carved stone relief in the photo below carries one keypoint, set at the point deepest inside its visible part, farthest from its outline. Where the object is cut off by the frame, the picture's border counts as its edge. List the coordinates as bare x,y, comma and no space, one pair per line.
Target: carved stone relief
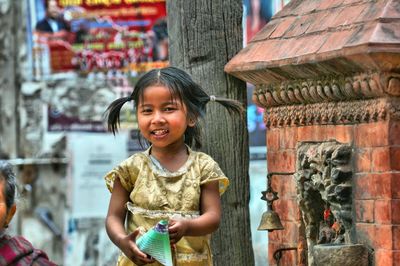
324,192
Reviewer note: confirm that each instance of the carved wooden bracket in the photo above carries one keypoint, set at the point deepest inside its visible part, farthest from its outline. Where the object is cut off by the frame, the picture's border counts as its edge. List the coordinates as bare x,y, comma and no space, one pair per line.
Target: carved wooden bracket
362,98
329,89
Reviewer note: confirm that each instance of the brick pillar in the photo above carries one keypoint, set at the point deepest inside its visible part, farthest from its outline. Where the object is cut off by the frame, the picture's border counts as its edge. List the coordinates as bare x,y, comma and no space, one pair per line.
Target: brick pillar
377,193
376,176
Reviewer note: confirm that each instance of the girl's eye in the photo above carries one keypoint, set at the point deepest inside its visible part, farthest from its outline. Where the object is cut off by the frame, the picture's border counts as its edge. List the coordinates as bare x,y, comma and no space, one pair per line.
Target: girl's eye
146,111
169,109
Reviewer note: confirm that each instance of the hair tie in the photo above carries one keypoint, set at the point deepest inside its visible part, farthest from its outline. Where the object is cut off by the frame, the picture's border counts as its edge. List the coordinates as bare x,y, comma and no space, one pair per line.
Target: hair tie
212,98
129,98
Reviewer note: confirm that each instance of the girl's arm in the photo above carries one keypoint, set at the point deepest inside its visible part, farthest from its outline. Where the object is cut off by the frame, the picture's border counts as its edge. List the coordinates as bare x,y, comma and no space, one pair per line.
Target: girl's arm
115,225
207,222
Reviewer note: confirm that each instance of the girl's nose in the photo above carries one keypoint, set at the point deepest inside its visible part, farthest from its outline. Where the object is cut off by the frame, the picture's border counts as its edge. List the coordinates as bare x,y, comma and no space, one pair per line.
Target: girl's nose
158,117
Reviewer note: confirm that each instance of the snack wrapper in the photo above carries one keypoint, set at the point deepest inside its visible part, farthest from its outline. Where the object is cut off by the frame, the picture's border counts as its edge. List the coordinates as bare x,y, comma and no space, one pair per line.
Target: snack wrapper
156,243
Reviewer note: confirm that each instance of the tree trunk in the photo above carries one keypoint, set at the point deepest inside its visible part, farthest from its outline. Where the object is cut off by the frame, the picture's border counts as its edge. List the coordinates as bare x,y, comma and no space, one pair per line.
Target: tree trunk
203,36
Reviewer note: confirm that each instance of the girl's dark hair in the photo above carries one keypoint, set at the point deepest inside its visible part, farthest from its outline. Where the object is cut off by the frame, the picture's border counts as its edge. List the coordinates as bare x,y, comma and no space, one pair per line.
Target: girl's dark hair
10,186
181,86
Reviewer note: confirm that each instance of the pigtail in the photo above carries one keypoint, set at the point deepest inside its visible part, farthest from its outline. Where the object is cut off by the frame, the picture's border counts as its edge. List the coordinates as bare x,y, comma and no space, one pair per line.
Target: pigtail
112,113
232,106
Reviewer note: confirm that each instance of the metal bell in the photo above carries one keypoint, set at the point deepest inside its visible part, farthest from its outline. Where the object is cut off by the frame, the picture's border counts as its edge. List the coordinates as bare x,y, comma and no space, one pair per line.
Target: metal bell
270,221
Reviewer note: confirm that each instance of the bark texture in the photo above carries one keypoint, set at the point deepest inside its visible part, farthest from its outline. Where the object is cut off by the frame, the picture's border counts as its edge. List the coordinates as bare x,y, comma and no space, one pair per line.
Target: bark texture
204,35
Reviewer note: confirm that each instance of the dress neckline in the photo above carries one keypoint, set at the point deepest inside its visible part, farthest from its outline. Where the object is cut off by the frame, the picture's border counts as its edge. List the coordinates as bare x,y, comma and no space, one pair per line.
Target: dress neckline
158,169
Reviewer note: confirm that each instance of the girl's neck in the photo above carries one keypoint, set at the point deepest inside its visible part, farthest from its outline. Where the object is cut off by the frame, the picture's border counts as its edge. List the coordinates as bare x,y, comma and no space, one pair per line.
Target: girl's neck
171,158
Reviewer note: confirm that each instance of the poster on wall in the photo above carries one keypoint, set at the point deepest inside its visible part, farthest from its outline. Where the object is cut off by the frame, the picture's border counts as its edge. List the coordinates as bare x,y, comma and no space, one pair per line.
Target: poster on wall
92,156
110,38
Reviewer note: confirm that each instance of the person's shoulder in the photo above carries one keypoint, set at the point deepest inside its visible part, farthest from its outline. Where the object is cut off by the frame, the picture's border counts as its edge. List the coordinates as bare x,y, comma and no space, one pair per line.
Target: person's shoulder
21,241
202,157
200,154
135,159
37,256
138,156
43,25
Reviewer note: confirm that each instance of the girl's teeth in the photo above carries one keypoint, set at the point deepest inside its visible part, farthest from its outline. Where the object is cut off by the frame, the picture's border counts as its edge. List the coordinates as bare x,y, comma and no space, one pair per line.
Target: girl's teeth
159,132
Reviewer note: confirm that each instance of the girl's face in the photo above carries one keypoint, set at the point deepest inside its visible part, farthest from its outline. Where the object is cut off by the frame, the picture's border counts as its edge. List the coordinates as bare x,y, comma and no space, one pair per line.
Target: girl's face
162,118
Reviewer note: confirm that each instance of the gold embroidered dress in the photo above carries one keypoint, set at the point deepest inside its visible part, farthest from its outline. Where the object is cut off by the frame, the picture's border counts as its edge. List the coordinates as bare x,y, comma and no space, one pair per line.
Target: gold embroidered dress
156,194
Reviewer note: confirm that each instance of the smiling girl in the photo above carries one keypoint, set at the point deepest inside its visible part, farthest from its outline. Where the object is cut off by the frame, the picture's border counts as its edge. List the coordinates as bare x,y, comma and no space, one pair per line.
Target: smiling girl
169,180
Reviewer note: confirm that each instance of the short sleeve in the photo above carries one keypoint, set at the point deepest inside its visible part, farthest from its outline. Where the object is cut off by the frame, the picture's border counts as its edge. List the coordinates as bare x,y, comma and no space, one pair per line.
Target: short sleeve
210,171
126,172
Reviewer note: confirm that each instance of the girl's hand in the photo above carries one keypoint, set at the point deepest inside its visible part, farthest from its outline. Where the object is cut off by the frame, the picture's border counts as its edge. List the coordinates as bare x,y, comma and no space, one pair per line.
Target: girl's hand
131,250
177,229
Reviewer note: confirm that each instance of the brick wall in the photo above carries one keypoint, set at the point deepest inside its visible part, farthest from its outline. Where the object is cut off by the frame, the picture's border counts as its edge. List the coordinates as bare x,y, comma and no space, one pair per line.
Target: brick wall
376,196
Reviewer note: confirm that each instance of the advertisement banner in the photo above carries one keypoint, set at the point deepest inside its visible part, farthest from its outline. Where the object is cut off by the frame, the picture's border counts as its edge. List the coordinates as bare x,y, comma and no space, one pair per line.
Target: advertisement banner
108,36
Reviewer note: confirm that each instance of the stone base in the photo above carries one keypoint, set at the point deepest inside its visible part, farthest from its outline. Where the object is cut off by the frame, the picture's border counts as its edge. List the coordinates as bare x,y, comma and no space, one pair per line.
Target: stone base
340,254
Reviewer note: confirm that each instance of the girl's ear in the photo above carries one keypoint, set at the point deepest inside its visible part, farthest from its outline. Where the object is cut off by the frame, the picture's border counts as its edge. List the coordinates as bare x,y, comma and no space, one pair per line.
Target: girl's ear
11,213
192,122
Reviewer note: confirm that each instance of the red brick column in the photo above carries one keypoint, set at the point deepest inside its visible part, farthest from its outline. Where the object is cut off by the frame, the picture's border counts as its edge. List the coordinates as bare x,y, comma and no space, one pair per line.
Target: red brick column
376,178
377,193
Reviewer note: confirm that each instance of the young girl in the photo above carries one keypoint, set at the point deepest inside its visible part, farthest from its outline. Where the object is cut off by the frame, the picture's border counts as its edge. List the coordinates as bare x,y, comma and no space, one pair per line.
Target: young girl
169,180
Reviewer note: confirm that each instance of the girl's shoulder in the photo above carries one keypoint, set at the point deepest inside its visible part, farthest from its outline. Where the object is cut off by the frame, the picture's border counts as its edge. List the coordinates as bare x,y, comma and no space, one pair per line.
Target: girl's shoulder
127,171
135,159
199,155
203,160
132,164
210,171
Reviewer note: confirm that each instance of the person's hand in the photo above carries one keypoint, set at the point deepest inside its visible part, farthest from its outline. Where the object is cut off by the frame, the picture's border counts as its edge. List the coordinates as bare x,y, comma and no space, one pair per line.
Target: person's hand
177,229
130,249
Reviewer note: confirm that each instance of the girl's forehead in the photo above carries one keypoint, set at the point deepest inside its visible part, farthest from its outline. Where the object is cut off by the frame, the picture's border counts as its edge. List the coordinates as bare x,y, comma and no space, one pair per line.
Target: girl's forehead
159,92
157,87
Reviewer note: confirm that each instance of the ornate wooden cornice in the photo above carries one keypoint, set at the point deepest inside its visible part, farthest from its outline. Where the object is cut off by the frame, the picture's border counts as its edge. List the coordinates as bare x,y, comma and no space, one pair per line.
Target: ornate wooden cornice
328,89
362,98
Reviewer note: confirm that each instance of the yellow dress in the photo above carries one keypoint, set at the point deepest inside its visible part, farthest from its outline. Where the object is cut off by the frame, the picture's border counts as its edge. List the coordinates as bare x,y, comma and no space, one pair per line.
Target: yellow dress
157,194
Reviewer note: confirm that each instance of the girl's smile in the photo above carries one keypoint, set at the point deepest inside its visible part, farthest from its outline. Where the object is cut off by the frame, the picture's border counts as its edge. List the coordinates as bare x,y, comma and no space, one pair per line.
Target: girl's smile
162,118
159,132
